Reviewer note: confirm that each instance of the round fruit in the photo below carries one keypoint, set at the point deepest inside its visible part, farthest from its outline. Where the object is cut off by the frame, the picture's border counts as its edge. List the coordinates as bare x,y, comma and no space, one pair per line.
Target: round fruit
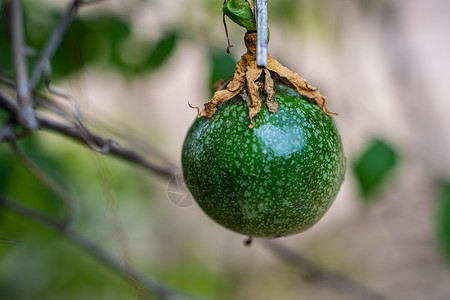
276,179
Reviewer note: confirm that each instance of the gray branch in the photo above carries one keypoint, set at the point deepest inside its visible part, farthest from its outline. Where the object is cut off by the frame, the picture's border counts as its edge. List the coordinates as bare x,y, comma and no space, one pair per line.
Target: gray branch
310,271
24,97
83,135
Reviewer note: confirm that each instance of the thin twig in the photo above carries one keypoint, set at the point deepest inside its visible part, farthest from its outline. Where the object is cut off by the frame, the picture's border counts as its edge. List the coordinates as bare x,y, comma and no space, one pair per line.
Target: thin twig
158,289
312,272
75,133
10,241
123,153
54,42
24,97
69,200
73,114
118,232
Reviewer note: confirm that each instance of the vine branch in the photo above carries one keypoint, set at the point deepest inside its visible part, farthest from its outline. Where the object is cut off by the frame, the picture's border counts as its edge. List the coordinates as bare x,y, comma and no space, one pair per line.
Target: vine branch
310,271
24,97
83,135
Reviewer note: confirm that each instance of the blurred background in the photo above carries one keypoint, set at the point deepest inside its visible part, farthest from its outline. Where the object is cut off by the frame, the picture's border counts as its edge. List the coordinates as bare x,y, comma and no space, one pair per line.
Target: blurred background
133,66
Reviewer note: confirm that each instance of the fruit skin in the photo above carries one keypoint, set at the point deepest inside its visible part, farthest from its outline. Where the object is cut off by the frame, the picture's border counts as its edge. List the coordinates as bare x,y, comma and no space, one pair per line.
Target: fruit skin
276,179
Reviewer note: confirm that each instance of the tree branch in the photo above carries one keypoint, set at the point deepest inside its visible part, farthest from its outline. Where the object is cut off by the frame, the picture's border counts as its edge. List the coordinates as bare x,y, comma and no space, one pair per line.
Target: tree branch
156,288
83,135
312,272
26,113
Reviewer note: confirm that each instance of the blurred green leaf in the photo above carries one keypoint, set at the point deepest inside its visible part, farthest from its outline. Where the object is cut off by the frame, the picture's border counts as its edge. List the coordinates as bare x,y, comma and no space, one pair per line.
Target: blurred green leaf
4,116
285,10
14,177
373,166
45,265
136,55
367,5
5,167
89,41
105,40
162,50
222,67
5,45
443,218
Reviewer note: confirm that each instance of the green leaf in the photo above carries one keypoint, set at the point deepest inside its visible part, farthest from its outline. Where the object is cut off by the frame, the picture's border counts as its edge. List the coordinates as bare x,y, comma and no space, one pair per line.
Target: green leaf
374,165
368,5
17,182
6,166
162,50
239,11
286,11
222,66
89,41
135,55
443,218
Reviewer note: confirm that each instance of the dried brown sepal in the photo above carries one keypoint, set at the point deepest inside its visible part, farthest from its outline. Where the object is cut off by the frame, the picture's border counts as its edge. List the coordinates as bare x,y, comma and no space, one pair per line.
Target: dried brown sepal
233,88
248,77
254,101
270,90
221,84
293,80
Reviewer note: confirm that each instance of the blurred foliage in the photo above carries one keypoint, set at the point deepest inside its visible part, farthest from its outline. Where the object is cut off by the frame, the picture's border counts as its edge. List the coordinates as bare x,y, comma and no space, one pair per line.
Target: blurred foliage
106,40
14,177
45,265
197,276
373,166
286,10
56,268
443,218
222,67
302,17
369,5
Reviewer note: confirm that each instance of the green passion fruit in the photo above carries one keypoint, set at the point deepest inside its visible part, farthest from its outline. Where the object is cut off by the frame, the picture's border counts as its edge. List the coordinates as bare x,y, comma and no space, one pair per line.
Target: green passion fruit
276,179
